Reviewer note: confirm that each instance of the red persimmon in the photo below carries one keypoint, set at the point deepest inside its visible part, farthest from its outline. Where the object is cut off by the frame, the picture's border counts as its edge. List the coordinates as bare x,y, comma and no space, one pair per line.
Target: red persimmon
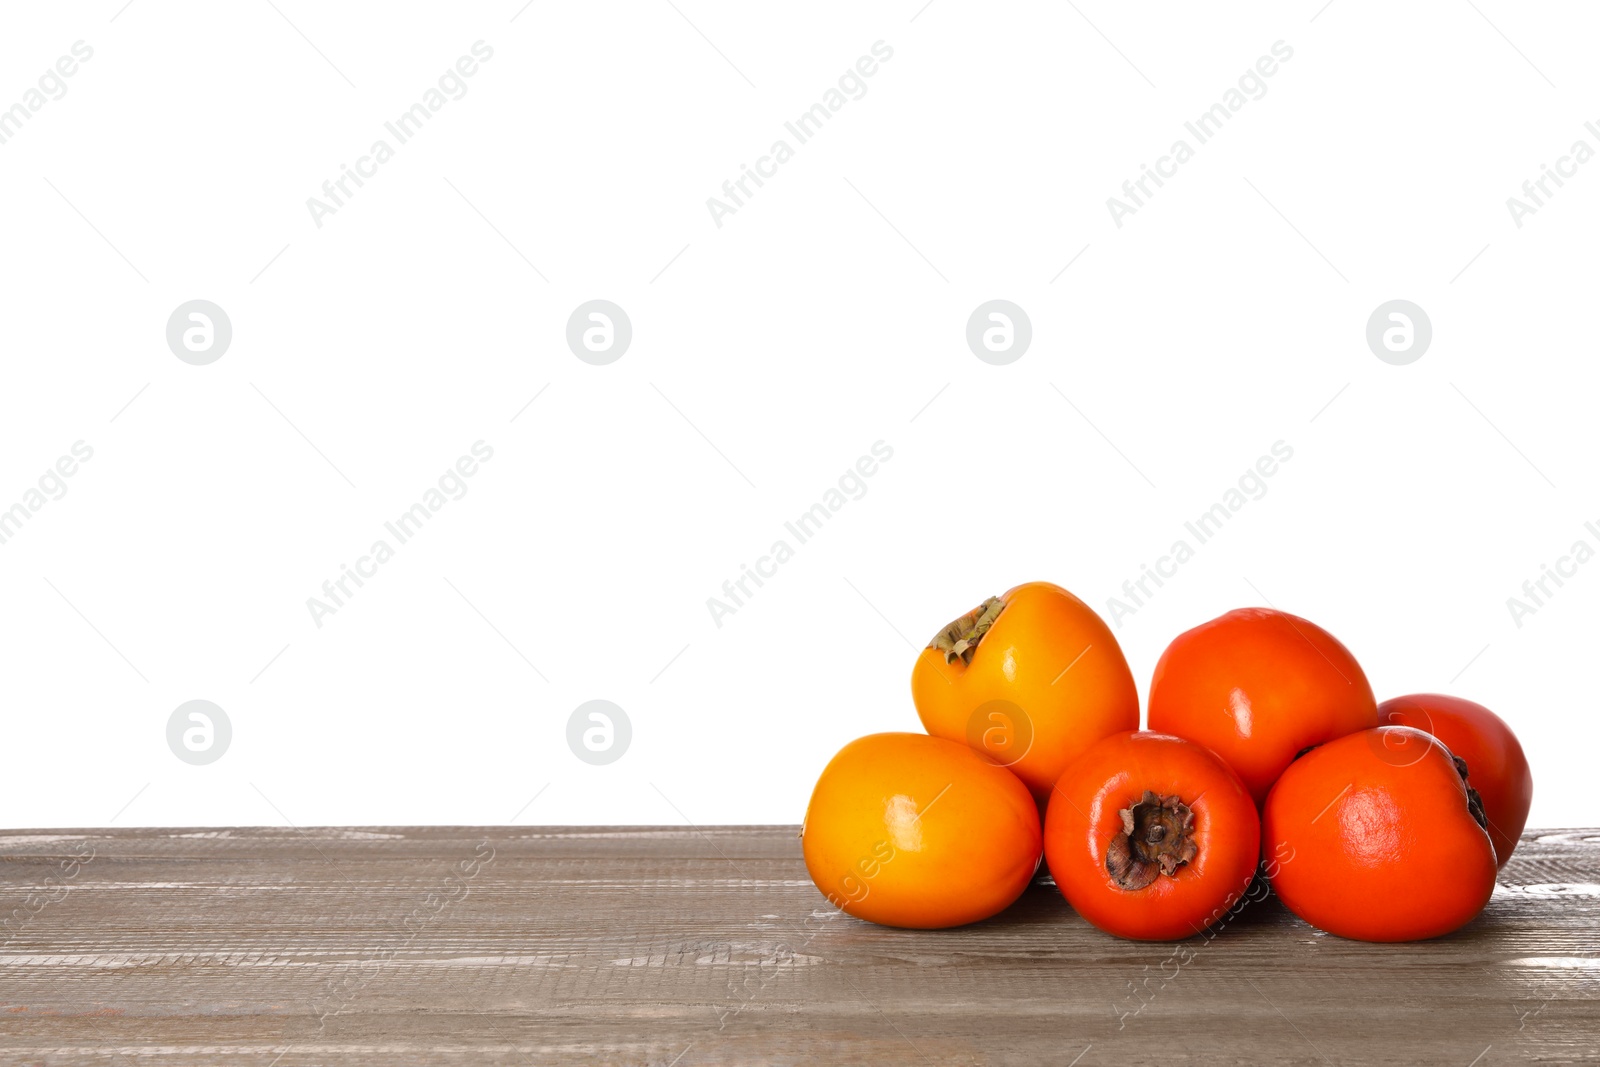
1496,767
1151,837
1388,839
1257,686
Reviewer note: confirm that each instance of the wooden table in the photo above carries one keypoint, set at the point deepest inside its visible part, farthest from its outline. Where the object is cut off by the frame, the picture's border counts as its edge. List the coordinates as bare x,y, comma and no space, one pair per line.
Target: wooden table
692,946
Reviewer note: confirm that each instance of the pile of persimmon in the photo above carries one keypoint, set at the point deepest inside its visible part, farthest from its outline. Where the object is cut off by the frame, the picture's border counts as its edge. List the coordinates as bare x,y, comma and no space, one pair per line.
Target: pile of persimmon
1266,756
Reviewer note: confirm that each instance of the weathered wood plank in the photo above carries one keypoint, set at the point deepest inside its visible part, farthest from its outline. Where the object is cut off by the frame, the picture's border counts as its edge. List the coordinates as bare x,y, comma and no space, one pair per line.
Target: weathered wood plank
445,945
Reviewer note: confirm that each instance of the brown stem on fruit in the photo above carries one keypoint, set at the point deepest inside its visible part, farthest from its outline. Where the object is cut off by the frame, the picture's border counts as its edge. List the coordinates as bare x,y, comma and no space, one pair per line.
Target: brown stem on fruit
1157,838
960,638
1474,801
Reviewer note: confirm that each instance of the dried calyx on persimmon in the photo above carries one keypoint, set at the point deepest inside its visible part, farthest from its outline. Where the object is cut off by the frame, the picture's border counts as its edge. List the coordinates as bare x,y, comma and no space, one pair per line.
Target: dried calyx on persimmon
1474,801
1157,837
960,639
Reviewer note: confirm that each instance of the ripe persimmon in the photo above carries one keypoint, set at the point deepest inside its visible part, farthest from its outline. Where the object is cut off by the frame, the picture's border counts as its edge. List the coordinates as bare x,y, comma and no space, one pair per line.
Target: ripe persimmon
1031,678
910,830
1151,837
1496,767
1257,686
1388,838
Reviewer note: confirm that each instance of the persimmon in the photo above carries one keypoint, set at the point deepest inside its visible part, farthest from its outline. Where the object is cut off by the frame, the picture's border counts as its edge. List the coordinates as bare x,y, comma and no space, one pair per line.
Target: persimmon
1257,686
1031,678
917,831
1388,838
1151,837
1496,767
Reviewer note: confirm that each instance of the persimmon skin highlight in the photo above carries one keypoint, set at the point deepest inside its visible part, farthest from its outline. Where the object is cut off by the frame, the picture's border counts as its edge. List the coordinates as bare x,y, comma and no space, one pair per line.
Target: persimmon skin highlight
1046,681
1084,818
915,831
1496,766
1257,686
1385,845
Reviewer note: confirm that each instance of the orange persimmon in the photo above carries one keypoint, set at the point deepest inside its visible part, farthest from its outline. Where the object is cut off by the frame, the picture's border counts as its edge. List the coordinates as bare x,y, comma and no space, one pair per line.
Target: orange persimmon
910,830
1031,678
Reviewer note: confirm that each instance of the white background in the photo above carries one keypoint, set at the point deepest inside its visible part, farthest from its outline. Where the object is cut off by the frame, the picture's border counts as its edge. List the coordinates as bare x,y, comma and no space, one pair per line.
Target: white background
768,354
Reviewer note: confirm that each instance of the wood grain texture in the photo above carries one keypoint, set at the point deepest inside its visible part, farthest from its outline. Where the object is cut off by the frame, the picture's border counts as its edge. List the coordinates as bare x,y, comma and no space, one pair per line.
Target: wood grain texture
522,945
